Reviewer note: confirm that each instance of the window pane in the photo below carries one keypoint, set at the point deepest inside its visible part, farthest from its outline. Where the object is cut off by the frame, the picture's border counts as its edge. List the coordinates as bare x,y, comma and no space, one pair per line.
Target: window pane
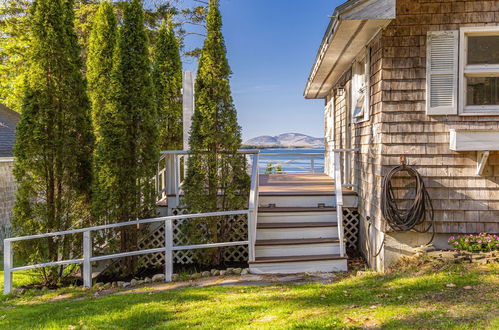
482,91
483,49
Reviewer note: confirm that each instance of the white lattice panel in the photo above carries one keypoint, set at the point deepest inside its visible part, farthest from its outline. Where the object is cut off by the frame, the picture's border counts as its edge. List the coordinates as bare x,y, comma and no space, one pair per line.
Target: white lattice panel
351,227
239,232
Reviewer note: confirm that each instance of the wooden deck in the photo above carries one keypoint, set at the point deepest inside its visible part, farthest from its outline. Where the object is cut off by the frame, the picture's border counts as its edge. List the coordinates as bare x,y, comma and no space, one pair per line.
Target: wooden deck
298,184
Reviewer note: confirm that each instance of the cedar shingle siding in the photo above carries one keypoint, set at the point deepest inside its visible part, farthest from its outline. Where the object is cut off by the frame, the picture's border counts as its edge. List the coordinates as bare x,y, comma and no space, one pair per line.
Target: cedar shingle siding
8,122
399,125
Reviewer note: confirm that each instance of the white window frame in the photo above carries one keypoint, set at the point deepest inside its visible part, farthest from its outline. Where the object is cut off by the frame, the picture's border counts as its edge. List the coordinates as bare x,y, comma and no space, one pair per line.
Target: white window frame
362,59
475,70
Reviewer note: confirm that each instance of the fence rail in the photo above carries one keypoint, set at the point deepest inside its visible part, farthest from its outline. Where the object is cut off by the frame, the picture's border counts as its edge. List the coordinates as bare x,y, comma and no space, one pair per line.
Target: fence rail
87,246
277,165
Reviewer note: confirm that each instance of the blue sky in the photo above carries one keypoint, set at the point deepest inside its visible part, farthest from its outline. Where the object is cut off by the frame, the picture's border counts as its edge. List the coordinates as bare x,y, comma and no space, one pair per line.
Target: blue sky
271,46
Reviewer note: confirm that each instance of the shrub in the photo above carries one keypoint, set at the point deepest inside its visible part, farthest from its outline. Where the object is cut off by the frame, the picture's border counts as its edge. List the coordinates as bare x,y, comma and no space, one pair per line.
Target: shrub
482,242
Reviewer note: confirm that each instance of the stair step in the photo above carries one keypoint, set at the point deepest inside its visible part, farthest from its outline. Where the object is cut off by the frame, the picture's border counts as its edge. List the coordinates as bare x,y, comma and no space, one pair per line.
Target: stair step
296,241
278,225
295,209
297,258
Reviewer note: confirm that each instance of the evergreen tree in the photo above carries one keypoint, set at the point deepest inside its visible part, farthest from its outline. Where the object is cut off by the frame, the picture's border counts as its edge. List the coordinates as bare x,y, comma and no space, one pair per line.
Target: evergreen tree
167,81
127,142
54,138
216,176
101,49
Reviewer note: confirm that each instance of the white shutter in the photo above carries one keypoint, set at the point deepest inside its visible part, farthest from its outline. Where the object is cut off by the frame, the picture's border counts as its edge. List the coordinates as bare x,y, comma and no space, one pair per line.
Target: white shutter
442,72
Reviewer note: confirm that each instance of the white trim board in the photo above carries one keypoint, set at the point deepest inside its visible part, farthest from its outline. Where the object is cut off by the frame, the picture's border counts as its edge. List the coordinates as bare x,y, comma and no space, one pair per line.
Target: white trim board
474,140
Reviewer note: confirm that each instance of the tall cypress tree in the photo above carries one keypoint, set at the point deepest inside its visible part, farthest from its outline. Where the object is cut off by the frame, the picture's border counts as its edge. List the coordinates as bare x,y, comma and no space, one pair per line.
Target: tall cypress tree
127,149
216,176
101,50
54,137
167,80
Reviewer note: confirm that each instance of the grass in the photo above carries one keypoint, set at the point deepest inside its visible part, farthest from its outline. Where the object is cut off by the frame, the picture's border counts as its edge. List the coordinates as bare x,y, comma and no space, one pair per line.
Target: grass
415,295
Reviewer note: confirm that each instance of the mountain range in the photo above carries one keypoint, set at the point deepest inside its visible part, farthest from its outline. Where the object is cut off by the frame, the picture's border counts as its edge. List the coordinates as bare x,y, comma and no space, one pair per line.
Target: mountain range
286,140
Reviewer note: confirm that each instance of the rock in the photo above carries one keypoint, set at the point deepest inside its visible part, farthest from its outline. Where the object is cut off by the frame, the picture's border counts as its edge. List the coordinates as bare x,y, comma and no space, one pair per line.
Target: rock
223,272
133,282
119,284
114,284
126,284
206,274
147,280
451,285
158,278
468,287
19,291
140,282
107,285
175,277
245,271
98,285
230,270
215,272
237,271
196,276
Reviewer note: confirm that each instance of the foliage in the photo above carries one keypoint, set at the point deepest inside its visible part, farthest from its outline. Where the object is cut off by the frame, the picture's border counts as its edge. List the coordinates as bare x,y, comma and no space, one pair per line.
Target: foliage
273,169
126,152
482,242
13,46
54,139
167,82
216,175
414,299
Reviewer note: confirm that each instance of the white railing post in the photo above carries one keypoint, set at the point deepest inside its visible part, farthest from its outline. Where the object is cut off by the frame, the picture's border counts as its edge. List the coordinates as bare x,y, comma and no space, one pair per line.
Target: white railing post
87,264
253,208
312,164
338,185
7,266
168,250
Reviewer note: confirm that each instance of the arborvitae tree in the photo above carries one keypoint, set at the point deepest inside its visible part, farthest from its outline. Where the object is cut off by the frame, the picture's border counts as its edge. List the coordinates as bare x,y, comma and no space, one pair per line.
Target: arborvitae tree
54,138
127,146
167,81
101,49
216,176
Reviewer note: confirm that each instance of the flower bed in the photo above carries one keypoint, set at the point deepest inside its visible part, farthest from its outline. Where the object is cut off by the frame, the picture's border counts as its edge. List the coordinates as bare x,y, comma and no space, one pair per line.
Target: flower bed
482,242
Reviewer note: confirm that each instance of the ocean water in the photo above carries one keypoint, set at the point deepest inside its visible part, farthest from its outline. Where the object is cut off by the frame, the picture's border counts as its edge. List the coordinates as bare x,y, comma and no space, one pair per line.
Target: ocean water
292,160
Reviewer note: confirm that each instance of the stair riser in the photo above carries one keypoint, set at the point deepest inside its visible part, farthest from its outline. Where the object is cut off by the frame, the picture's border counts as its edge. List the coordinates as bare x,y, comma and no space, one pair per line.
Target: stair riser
297,233
272,217
305,201
297,250
299,267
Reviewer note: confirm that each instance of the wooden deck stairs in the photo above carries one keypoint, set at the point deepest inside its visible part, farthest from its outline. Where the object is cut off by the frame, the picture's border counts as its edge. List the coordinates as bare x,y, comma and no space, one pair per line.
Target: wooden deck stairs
297,227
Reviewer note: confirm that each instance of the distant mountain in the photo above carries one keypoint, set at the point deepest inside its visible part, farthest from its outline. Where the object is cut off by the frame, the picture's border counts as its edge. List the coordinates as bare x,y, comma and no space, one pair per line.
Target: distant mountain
286,140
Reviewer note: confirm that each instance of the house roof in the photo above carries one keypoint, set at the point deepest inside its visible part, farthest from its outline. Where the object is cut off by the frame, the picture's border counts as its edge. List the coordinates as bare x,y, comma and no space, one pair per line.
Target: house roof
8,122
352,26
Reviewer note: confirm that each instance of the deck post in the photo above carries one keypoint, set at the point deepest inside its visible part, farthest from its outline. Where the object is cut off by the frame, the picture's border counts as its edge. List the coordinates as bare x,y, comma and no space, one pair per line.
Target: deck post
87,254
338,185
168,250
7,266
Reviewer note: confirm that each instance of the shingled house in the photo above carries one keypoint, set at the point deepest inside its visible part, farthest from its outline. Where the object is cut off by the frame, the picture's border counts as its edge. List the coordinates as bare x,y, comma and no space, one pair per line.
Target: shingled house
8,122
418,78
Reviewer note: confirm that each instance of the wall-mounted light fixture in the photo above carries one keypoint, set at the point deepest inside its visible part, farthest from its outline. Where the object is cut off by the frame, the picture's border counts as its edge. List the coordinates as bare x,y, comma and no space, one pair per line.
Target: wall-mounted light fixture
340,91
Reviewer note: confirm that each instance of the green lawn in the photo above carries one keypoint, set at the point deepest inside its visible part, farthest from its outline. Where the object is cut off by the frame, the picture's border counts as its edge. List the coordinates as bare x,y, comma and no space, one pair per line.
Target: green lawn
417,296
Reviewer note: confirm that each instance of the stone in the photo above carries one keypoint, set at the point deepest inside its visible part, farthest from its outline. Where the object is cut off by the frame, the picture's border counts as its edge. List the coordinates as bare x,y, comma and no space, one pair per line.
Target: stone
196,276
175,277
223,272
230,270
114,284
107,285
147,280
158,278
245,271
126,284
206,274
215,272
133,282
98,285
119,284
140,282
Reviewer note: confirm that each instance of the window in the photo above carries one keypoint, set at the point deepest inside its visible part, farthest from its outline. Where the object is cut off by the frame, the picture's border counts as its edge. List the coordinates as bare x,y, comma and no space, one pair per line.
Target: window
479,71
360,88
